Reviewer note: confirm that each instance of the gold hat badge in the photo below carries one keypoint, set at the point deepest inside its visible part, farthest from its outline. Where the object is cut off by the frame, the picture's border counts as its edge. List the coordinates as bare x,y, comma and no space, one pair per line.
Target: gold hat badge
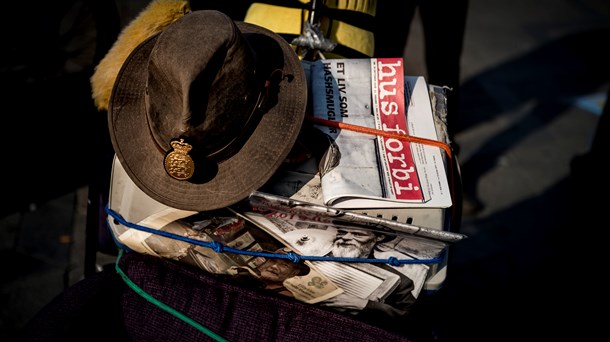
178,164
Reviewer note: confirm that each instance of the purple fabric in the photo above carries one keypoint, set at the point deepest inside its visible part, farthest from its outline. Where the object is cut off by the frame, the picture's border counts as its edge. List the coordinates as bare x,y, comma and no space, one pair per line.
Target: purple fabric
234,312
90,308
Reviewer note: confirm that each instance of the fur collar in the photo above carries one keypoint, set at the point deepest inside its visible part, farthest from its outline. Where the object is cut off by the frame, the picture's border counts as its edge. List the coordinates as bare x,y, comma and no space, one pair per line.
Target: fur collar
153,18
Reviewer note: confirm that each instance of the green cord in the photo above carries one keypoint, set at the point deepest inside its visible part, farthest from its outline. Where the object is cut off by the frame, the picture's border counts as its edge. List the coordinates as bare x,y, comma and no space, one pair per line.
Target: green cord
162,305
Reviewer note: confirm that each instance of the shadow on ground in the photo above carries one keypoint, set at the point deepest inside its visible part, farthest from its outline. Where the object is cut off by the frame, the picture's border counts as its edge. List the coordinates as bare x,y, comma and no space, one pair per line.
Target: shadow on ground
551,77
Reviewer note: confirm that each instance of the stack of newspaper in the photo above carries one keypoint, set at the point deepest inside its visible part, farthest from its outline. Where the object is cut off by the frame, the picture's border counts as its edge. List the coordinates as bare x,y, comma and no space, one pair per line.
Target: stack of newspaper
377,123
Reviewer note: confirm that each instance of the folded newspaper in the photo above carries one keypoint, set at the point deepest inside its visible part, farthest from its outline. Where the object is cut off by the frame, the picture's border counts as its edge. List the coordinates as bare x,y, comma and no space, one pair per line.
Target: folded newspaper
299,210
374,170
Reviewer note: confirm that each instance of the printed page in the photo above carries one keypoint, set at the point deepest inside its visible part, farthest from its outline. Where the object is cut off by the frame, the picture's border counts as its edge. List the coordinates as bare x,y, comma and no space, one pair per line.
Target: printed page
429,159
363,170
303,281
293,209
341,92
401,176
359,279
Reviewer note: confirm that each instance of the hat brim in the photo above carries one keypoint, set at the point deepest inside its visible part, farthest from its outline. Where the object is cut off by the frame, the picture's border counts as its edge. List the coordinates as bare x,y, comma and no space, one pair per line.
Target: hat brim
245,171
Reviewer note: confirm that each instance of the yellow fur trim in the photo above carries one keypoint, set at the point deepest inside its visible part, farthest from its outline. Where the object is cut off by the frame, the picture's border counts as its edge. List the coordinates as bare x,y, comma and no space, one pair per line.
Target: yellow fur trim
154,18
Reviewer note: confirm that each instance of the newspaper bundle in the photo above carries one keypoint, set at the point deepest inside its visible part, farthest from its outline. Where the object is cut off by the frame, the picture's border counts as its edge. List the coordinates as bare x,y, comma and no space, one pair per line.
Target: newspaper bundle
368,170
361,287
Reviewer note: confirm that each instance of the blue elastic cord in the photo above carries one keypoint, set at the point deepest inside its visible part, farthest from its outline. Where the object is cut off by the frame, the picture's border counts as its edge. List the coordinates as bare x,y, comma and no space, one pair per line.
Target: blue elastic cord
220,248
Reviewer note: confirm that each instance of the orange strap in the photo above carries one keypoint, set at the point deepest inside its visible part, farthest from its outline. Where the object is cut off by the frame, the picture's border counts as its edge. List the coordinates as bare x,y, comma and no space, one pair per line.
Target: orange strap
374,131
399,136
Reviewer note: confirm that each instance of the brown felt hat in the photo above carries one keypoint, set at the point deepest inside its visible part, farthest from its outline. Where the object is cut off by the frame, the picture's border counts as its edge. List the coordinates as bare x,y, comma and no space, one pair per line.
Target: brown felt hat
204,113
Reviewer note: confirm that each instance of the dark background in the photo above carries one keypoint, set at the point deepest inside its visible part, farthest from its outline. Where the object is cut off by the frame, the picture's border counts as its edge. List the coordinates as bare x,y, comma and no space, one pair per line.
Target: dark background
535,79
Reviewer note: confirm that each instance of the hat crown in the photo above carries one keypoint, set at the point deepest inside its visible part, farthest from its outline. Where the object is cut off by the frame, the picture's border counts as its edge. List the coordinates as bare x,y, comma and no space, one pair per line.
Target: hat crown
230,95
201,83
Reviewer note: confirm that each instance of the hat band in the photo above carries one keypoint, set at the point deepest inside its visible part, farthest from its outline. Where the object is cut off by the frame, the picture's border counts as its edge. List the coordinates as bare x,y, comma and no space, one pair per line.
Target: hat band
226,150
275,77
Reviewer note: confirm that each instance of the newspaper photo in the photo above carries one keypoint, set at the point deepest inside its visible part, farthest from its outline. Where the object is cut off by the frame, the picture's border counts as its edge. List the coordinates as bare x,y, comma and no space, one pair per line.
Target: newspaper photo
302,280
305,211
369,289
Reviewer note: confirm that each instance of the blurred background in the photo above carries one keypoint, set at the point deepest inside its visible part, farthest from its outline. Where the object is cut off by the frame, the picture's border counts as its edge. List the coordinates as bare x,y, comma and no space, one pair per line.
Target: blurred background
534,81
